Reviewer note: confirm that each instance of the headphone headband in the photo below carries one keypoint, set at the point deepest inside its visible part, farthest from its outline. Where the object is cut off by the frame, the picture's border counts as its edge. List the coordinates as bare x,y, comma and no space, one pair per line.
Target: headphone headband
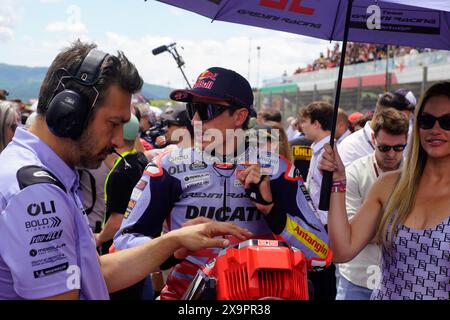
89,70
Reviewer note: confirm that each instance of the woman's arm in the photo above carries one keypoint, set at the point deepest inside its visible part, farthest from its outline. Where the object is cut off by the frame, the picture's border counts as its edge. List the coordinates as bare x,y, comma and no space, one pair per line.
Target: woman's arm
348,238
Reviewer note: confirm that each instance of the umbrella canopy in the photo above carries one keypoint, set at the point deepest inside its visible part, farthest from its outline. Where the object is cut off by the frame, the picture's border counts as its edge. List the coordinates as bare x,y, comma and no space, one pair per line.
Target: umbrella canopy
415,23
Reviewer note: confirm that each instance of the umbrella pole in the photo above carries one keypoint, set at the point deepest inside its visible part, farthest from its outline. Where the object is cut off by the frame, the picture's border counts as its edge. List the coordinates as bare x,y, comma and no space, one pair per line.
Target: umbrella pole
327,180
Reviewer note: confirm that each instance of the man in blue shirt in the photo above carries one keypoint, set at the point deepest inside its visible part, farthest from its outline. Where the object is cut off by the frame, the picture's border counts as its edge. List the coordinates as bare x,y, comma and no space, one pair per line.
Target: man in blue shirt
47,249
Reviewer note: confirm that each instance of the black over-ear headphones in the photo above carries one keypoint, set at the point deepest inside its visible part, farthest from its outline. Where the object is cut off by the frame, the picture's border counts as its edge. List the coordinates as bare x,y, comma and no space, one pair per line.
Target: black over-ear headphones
68,110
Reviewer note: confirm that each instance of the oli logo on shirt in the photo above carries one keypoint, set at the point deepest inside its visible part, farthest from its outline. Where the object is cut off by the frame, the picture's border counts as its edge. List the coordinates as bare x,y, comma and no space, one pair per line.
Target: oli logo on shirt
45,208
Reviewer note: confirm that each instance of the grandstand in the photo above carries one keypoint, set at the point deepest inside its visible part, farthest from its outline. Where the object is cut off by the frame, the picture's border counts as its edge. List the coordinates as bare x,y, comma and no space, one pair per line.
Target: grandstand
361,85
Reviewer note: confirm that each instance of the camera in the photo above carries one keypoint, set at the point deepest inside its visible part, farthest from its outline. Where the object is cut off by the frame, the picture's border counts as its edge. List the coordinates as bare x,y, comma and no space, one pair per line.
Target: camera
159,129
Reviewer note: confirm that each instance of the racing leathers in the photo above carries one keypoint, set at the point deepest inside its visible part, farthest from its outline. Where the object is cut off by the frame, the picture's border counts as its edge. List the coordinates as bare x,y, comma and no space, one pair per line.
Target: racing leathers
184,184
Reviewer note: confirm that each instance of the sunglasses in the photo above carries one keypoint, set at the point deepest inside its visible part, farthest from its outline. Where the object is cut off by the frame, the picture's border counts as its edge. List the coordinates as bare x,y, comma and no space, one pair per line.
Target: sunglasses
386,148
427,121
206,111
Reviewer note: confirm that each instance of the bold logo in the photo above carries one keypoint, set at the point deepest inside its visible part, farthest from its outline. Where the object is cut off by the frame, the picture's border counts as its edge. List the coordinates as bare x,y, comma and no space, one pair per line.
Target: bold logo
34,209
52,222
46,237
49,271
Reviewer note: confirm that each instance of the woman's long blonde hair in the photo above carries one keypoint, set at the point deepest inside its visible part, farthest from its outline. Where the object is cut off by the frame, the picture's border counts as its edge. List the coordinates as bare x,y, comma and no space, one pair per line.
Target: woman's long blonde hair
403,197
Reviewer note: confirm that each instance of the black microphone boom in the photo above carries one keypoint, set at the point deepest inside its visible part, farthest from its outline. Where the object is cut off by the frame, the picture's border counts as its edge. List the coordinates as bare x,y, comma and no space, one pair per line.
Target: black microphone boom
159,50
173,51
126,164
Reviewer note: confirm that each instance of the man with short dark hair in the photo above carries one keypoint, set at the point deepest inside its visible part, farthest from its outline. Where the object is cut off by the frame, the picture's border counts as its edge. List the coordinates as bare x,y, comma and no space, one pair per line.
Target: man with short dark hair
361,142
315,120
47,249
223,178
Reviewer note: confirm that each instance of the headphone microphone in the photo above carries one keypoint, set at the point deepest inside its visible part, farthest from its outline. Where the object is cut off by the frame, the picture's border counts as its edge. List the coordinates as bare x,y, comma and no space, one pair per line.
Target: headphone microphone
127,165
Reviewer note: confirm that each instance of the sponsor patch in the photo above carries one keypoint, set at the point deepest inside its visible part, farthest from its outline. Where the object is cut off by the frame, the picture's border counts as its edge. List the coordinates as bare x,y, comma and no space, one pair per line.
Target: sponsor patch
131,205
238,183
49,271
307,238
199,179
48,260
136,194
302,153
46,237
47,250
198,165
141,185
45,223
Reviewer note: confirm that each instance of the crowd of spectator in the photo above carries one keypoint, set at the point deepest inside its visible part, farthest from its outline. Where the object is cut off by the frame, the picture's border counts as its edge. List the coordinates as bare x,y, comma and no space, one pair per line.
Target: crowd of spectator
357,53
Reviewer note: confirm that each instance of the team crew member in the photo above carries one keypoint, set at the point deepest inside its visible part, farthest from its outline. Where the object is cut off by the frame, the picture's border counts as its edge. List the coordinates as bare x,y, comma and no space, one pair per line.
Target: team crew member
47,249
209,183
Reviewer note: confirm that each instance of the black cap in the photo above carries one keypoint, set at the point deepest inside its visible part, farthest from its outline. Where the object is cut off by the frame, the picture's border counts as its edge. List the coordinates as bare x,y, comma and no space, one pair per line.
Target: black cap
219,84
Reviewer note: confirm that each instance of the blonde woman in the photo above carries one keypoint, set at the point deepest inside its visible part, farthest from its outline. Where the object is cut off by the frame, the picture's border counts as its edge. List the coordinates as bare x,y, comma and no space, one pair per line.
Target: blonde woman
407,212
9,120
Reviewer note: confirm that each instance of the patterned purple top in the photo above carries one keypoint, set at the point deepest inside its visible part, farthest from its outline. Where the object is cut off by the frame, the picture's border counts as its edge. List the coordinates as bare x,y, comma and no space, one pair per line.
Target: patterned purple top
418,267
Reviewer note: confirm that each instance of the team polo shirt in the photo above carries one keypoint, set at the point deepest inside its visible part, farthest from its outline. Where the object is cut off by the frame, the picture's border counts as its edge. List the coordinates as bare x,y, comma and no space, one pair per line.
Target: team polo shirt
46,245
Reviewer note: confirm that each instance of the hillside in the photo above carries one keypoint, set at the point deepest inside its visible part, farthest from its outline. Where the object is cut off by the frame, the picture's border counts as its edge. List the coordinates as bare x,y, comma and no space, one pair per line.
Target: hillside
23,83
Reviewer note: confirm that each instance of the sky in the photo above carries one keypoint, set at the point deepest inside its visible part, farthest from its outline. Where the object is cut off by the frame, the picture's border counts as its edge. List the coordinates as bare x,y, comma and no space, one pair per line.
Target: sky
32,32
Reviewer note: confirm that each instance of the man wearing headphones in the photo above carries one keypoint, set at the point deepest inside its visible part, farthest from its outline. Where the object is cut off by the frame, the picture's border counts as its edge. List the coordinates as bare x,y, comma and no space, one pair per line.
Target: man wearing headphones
47,249
223,178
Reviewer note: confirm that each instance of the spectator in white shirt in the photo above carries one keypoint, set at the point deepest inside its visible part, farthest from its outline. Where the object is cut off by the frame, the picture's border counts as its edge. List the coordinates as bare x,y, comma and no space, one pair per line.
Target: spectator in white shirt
315,121
361,142
357,276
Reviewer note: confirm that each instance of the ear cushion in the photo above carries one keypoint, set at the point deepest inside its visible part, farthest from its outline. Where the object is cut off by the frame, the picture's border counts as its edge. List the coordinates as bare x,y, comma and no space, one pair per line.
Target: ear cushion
67,114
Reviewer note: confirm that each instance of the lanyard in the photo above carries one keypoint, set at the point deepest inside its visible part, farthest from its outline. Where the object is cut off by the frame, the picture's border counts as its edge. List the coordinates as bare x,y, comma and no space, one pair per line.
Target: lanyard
116,163
368,139
375,166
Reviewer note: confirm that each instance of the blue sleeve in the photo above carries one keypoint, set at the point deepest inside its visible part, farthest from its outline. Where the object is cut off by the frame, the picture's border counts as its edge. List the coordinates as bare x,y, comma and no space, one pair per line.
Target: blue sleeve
293,218
38,240
151,202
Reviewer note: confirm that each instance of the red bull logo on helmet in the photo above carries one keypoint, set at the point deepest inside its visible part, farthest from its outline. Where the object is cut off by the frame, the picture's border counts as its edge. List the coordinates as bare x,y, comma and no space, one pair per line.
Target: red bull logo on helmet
206,79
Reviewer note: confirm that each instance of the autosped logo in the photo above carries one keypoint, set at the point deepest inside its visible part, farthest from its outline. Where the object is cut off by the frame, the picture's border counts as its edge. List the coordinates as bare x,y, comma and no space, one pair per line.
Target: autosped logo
47,250
46,237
